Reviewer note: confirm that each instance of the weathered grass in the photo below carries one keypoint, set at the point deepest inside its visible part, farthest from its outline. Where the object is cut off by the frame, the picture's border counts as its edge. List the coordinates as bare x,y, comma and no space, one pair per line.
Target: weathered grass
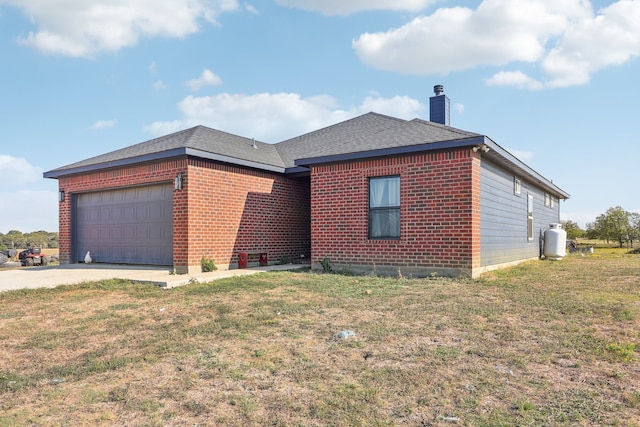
544,343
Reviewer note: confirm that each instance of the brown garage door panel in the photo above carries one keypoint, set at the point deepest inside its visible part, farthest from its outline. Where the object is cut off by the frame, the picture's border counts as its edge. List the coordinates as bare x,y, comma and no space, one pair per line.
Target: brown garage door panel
130,226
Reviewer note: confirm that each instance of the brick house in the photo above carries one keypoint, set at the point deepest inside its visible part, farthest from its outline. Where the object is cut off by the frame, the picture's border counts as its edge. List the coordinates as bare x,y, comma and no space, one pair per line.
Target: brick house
370,193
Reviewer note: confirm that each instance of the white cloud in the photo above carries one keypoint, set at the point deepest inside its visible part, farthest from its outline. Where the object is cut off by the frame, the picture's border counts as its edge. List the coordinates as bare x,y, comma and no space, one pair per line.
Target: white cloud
104,124
346,7
25,209
276,117
207,78
451,39
29,211
16,170
610,38
514,78
85,28
159,85
251,9
565,40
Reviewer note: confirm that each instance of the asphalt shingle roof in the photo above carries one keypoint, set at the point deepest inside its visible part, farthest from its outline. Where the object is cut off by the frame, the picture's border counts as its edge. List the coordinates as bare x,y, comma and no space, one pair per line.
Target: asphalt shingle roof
368,132
200,138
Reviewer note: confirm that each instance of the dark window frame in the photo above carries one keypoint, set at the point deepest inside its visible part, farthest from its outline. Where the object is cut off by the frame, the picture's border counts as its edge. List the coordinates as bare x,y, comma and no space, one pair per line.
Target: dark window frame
389,209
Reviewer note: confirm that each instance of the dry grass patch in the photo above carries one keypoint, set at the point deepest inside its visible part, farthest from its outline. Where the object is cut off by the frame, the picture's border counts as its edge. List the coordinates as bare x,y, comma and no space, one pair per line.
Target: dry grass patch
545,343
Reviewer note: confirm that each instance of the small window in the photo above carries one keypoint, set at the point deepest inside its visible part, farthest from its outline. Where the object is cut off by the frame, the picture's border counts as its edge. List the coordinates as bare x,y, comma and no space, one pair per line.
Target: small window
384,207
549,200
529,217
517,186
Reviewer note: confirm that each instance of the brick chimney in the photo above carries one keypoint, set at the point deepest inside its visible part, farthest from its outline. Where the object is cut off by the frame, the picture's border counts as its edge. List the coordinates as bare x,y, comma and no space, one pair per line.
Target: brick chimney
439,106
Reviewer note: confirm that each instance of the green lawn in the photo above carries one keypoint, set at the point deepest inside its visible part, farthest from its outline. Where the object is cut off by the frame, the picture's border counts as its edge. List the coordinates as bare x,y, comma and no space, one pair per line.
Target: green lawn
544,343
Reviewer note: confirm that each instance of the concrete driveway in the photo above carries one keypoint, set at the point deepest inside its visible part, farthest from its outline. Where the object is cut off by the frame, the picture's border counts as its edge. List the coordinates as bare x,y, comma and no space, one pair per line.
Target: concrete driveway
70,274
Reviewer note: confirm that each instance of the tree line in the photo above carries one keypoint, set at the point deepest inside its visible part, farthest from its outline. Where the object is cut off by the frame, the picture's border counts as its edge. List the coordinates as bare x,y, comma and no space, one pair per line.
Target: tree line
15,239
615,225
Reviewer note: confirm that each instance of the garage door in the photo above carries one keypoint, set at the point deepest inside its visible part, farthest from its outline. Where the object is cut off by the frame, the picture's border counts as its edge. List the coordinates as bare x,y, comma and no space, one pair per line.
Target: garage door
128,226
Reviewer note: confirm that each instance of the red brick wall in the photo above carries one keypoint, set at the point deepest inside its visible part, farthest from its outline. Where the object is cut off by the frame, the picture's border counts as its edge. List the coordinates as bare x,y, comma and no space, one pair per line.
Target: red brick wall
233,210
221,211
439,211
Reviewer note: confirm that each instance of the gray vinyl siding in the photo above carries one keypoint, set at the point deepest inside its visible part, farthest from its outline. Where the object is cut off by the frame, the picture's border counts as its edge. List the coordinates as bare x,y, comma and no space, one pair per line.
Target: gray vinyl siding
503,215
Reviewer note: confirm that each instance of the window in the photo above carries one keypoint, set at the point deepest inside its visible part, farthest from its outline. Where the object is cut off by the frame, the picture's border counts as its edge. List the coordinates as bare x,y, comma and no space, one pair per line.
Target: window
549,200
529,217
384,207
517,186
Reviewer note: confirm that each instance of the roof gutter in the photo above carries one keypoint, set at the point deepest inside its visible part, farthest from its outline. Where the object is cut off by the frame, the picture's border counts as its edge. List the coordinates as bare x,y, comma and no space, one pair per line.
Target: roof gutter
177,152
512,163
494,152
394,151
234,160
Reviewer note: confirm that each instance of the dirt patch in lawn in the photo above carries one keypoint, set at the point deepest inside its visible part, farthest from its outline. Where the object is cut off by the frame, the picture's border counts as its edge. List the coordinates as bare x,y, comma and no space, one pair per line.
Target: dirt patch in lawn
544,343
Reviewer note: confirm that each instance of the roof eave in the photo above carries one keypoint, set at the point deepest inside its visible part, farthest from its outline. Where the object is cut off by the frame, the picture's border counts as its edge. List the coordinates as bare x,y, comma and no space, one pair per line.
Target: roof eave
495,153
393,151
297,171
57,173
177,152
234,160
512,163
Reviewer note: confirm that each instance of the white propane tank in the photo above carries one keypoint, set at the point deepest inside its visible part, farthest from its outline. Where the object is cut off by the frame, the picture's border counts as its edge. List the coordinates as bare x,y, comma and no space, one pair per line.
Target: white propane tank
555,242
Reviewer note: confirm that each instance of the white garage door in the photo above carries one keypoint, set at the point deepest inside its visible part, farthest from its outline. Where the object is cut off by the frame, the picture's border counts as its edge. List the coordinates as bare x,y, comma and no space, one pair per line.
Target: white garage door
128,226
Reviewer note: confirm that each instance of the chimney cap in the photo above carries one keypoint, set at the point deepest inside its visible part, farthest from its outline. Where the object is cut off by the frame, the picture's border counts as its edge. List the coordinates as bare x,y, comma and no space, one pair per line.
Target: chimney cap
438,89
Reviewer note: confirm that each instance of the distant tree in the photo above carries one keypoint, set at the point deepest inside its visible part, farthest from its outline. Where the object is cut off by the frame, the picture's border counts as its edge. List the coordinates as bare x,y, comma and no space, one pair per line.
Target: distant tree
14,239
591,232
573,229
54,240
634,227
613,225
43,239
37,238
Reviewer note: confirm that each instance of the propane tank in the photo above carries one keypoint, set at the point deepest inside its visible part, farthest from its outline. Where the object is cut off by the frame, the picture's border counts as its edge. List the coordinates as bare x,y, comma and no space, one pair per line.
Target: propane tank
555,242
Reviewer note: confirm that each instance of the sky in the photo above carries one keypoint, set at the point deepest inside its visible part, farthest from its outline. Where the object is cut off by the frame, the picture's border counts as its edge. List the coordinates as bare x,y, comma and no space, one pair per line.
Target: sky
555,82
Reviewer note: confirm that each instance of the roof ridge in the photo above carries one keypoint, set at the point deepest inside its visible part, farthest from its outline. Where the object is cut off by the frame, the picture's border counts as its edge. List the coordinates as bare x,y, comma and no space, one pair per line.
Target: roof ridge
218,131
298,147
363,133
446,127
342,123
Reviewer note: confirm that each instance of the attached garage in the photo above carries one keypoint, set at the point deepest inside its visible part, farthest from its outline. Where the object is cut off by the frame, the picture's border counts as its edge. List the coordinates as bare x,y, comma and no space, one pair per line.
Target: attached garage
126,226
